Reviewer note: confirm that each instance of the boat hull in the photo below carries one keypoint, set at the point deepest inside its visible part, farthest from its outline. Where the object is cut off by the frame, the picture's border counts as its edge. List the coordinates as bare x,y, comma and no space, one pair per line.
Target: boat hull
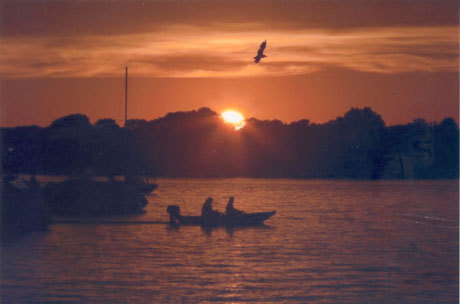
88,198
246,219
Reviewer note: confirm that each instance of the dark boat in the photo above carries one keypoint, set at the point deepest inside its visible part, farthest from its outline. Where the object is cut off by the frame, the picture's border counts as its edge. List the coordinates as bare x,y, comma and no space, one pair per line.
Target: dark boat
232,219
84,197
22,208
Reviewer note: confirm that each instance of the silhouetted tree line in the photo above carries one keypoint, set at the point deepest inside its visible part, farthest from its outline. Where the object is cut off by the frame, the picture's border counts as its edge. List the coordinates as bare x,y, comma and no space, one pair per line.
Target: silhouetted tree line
199,144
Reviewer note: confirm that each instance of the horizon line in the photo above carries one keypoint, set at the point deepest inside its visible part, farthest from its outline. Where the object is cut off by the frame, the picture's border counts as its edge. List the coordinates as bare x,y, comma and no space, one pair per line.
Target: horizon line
120,121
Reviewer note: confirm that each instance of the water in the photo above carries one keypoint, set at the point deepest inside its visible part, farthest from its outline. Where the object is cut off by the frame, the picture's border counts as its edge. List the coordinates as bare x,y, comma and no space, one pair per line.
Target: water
330,242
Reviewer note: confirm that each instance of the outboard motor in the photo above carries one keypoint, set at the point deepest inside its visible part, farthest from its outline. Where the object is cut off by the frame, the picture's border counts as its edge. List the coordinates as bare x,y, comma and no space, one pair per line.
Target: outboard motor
174,213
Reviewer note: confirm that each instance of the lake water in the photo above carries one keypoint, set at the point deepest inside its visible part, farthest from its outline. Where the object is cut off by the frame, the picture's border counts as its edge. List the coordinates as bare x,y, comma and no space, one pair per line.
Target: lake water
330,242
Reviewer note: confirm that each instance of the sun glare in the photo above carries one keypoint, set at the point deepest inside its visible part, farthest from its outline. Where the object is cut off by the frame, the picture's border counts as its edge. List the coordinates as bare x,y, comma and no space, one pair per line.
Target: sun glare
234,118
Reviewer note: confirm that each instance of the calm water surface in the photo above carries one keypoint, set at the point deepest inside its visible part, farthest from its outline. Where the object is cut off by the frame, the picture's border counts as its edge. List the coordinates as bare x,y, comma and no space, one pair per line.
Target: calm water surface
330,242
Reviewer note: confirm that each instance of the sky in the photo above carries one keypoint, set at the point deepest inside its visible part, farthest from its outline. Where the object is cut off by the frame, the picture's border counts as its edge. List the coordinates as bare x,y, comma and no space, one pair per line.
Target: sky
399,57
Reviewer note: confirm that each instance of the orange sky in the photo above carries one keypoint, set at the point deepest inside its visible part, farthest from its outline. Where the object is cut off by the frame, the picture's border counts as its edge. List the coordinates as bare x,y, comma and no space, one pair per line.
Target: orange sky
399,57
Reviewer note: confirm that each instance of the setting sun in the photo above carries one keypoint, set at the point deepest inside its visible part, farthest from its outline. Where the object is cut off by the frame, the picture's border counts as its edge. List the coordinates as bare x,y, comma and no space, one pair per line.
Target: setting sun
233,117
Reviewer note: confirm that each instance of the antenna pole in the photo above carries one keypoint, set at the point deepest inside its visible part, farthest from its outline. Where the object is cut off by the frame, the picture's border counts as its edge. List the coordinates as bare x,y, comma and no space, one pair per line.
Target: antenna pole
126,95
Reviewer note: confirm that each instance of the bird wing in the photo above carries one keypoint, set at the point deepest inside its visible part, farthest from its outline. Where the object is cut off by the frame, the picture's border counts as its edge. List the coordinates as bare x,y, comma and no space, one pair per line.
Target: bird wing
263,45
260,52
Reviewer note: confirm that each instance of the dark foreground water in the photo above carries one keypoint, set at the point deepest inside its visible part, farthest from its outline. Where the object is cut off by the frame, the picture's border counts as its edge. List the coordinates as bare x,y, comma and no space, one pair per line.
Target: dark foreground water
330,242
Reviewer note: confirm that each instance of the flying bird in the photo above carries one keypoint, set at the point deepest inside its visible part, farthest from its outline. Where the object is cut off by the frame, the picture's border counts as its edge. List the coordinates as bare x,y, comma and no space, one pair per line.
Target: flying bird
260,52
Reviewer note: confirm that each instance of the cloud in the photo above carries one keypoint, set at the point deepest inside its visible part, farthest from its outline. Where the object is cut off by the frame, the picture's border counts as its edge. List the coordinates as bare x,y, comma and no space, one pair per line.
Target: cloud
83,18
195,51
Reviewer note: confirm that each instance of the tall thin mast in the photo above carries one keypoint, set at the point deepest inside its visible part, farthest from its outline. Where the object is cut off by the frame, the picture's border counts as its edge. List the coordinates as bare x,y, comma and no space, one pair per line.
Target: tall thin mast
126,95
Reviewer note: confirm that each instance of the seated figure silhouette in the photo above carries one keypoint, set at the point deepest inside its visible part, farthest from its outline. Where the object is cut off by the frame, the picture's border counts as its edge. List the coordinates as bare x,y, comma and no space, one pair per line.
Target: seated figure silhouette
229,209
209,217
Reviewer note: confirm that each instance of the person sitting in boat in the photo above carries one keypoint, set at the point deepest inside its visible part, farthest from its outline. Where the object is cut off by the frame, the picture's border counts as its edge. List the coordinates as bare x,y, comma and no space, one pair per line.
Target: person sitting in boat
229,209
207,210
209,216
